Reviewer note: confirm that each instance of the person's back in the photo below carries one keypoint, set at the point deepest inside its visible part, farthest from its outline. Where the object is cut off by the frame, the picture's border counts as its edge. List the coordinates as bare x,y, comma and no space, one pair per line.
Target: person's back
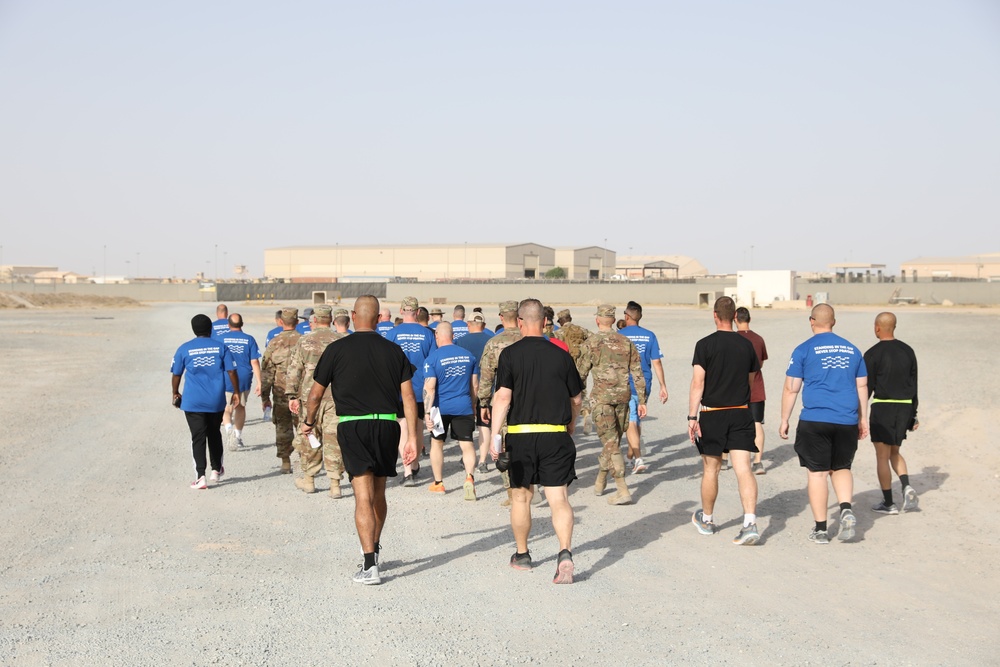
244,349
540,394
828,365
416,341
892,370
474,343
719,353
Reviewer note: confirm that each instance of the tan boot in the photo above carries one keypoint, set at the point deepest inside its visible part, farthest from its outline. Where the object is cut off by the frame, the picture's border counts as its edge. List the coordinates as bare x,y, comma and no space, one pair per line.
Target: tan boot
623,497
508,500
286,466
306,483
335,490
602,481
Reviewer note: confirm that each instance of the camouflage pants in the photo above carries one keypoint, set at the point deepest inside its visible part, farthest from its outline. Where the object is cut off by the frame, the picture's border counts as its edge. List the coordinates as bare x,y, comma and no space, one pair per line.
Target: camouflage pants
285,426
328,455
585,406
611,422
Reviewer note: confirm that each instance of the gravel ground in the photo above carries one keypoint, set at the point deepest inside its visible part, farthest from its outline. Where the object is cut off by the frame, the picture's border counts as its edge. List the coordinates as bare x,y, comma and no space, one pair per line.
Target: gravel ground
108,558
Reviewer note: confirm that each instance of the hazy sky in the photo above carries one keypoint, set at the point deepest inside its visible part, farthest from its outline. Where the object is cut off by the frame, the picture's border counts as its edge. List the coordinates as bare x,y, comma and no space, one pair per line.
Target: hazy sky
815,132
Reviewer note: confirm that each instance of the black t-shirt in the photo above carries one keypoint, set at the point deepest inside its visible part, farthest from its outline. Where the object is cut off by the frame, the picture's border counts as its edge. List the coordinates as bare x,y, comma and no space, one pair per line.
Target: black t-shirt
728,359
892,370
542,378
364,372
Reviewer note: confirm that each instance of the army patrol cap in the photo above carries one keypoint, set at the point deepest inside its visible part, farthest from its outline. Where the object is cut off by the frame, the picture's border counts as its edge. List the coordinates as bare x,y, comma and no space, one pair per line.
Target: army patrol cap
562,314
307,313
290,313
606,310
340,312
410,303
436,311
508,307
323,311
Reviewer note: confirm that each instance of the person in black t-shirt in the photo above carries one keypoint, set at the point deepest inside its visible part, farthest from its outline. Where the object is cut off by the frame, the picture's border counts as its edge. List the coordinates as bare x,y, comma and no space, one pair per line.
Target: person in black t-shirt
538,395
719,417
367,374
892,384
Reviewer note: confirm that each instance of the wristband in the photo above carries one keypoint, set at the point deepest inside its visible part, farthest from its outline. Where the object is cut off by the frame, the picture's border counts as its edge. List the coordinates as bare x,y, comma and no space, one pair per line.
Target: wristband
308,424
692,419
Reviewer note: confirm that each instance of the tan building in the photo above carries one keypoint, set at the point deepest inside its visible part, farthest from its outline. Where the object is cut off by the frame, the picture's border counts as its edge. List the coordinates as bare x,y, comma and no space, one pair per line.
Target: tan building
590,263
466,261
640,267
973,267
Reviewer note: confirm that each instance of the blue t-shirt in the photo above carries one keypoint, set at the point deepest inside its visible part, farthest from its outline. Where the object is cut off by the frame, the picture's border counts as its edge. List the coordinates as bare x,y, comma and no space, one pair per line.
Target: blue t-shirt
384,327
243,347
271,334
829,367
303,327
452,367
220,326
417,342
205,364
459,328
649,349
475,343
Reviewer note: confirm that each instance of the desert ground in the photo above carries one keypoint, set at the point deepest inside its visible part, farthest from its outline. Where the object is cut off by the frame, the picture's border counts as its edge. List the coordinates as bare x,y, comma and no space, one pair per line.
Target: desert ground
108,558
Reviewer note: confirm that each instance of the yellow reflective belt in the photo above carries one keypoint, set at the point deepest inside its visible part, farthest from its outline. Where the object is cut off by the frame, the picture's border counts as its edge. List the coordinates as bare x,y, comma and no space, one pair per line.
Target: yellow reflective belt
350,418
892,400
536,428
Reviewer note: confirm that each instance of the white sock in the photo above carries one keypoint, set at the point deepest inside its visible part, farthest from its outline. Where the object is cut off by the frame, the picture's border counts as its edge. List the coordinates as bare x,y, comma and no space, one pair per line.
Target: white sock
707,518
749,519
229,427
237,432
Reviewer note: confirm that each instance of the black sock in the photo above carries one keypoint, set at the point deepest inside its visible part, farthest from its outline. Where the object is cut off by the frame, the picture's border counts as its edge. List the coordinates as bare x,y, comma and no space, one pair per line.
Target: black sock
821,525
904,480
887,496
378,547
845,506
569,554
370,560
438,481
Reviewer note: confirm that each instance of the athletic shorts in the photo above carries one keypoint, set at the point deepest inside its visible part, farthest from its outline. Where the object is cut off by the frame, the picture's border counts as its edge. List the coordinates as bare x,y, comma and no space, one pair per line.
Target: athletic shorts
633,409
461,427
889,422
548,459
420,411
244,397
479,415
757,410
369,444
725,430
822,446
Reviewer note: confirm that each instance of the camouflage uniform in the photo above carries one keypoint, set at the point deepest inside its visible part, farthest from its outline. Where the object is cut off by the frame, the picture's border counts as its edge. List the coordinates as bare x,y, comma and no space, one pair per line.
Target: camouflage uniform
488,369
574,336
272,381
611,357
298,384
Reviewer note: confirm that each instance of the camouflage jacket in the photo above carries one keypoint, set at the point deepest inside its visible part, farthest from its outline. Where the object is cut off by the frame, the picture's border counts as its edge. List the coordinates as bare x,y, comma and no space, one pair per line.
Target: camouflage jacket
275,362
573,335
611,357
305,356
488,364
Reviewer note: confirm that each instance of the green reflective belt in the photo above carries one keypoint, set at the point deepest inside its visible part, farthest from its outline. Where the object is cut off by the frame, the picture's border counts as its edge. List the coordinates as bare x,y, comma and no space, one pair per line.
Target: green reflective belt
892,400
389,416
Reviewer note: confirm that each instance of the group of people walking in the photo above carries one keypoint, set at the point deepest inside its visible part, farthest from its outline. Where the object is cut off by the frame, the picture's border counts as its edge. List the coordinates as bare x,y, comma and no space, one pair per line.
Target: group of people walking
359,401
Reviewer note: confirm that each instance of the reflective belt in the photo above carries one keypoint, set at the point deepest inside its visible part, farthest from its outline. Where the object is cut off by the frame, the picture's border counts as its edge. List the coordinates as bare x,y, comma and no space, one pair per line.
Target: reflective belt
350,418
728,407
892,400
536,428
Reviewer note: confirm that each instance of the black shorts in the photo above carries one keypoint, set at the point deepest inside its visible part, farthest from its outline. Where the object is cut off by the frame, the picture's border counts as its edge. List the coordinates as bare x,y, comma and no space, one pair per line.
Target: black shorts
889,422
548,459
461,427
479,415
725,430
369,444
420,411
822,446
757,410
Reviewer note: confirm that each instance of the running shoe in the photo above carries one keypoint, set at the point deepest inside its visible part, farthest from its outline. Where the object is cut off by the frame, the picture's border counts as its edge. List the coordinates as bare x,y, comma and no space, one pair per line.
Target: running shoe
521,561
704,527
470,488
411,480
231,440
564,568
216,475
369,577
748,535
847,524
638,467
239,442
819,536
882,508
199,483
483,468
726,465
436,487
910,500
758,469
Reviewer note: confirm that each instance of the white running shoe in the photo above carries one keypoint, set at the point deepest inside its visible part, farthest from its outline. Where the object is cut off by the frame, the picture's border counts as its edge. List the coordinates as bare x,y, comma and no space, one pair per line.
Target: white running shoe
199,483
216,475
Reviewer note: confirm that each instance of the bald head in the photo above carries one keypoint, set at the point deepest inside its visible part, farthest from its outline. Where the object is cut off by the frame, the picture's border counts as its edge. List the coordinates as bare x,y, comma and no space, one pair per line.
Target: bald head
822,316
384,315
885,326
443,334
235,321
366,312
221,311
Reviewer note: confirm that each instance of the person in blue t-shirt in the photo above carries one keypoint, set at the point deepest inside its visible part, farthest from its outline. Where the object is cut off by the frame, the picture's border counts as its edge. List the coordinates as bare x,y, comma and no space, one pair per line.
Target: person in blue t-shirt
475,343
221,323
651,359
417,342
385,323
459,327
245,352
450,374
276,330
833,379
437,316
204,362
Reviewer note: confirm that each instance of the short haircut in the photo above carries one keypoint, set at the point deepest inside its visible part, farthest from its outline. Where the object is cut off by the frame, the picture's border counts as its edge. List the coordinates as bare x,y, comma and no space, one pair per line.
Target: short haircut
341,320
743,315
531,310
277,314
422,316
725,308
459,312
550,314
444,329
634,310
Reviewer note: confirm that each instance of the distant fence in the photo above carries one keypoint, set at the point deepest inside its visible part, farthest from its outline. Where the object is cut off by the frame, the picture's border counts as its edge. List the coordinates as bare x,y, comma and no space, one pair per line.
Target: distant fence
295,291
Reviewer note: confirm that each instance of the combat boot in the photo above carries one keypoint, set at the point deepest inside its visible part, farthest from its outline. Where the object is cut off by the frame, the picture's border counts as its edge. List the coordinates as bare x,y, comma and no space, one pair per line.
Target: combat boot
601,482
306,483
623,497
508,500
286,466
335,490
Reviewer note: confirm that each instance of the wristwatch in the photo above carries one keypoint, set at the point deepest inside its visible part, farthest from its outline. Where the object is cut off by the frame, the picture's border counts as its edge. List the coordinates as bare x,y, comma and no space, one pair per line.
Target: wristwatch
692,419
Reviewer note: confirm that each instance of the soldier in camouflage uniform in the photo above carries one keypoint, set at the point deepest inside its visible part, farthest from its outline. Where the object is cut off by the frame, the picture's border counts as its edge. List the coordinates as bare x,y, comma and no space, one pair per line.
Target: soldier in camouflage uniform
611,357
574,336
488,369
298,383
272,380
